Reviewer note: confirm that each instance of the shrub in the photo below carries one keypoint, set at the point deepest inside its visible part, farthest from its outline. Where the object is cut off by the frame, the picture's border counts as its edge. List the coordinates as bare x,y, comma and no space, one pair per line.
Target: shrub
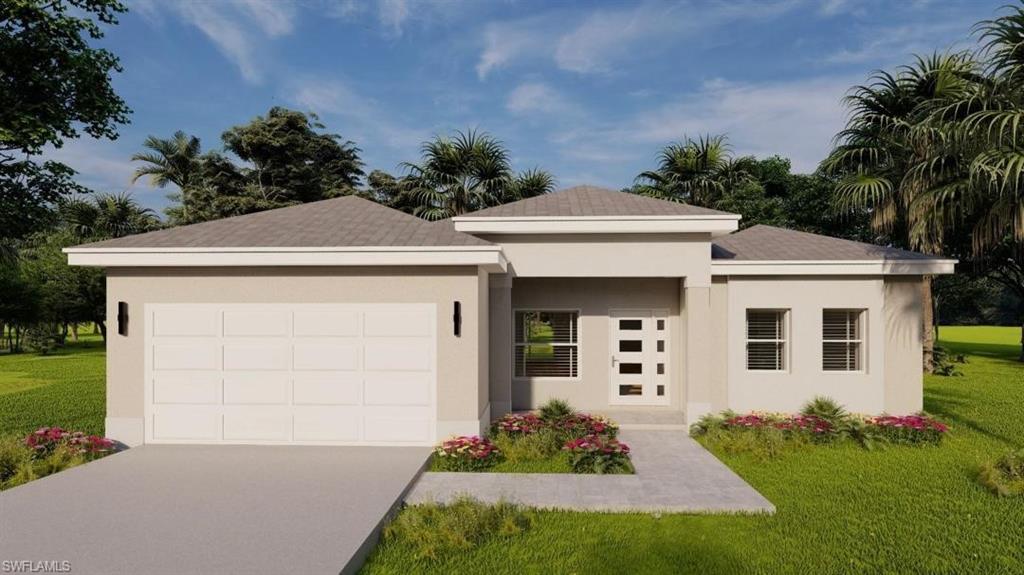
1005,476
517,447
436,530
944,362
908,429
597,454
466,453
518,424
555,410
43,339
577,425
827,409
13,456
45,440
764,442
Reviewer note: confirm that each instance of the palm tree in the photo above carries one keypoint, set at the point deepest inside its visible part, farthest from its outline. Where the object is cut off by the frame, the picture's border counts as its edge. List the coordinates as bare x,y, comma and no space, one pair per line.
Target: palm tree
107,216
888,156
697,171
175,160
467,172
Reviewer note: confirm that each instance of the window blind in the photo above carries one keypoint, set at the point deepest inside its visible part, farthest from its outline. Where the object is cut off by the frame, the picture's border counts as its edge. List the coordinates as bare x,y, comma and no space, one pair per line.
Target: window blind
842,340
766,340
546,344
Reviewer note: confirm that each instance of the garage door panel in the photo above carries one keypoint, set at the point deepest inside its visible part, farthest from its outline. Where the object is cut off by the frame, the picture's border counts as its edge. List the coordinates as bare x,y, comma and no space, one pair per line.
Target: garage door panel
291,373
342,355
333,388
191,322
257,424
325,323
395,429
397,388
257,356
256,388
195,388
254,323
193,422
327,423
398,355
191,356
398,324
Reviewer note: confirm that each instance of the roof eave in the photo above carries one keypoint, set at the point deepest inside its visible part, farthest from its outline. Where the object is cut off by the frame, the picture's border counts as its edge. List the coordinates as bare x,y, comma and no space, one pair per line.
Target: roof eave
714,224
490,258
937,266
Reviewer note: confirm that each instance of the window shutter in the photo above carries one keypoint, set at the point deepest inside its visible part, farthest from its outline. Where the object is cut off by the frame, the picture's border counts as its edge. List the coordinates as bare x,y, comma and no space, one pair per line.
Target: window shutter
546,344
766,340
842,340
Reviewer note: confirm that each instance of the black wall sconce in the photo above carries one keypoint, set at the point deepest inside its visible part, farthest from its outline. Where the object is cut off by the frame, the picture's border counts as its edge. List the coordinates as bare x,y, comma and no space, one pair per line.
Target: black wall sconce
457,319
122,318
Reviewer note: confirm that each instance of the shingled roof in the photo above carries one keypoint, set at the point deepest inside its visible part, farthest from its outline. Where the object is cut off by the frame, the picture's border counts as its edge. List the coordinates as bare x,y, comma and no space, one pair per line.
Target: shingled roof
768,243
583,201
348,221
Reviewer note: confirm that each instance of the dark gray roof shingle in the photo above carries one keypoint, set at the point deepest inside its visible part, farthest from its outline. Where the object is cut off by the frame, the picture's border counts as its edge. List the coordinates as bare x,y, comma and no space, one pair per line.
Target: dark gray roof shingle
767,243
582,201
348,221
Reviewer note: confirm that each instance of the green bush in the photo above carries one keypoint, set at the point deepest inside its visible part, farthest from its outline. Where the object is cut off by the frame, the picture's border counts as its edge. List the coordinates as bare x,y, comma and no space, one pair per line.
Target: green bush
827,409
13,457
760,442
542,444
1005,476
433,531
944,362
555,410
43,339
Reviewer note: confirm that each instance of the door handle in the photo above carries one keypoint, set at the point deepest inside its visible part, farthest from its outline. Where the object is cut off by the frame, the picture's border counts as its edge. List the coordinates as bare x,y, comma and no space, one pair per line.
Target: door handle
615,360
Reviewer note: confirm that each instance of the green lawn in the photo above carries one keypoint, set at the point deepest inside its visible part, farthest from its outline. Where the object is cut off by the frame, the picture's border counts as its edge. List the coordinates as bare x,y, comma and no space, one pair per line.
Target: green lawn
65,389
841,509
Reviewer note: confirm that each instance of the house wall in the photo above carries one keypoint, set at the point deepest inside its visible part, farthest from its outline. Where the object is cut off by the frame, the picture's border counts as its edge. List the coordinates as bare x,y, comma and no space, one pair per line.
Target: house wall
891,380
607,255
461,361
593,298
903,344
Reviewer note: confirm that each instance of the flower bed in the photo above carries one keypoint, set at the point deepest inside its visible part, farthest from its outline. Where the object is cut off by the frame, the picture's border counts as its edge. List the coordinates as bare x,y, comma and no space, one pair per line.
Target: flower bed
821,421
554,439
45,451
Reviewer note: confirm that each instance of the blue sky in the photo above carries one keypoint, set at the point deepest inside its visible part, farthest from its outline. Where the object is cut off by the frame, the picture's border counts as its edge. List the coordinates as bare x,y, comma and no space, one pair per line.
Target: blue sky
589,91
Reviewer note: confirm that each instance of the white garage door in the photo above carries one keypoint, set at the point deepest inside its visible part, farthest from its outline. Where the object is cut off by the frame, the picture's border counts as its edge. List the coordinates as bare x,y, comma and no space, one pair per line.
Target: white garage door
352,374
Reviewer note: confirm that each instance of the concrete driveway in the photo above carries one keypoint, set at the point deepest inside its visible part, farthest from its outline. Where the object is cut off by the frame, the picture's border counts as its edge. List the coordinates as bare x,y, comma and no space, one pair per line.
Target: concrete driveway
210,509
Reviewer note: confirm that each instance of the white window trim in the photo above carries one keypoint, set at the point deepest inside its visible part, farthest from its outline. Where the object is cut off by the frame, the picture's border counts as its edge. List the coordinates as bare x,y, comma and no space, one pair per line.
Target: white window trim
862,319
578,344
785,341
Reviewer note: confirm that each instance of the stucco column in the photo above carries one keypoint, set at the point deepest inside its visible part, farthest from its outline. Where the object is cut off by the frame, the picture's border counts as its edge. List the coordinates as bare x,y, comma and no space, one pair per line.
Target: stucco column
501,344
696,303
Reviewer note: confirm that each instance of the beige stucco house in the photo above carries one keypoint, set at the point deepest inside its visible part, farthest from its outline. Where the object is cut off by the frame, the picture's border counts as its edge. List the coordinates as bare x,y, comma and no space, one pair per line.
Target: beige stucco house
346,322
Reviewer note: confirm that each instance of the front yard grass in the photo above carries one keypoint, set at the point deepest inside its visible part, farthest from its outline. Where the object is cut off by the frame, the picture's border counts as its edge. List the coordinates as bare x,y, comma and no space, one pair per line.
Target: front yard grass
841,509
66,389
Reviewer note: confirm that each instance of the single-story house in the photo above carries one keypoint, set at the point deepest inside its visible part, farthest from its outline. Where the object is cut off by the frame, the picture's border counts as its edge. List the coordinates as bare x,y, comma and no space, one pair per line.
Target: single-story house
347,322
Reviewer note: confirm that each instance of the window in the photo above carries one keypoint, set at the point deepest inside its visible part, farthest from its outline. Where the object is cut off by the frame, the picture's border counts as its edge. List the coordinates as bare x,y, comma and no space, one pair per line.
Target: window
766,340
546,344
842,335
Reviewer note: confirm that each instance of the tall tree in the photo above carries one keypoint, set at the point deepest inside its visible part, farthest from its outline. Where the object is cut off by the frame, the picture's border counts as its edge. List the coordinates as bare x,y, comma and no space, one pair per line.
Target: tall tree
466,172
886,141
697,172
106,216
292,160
54,82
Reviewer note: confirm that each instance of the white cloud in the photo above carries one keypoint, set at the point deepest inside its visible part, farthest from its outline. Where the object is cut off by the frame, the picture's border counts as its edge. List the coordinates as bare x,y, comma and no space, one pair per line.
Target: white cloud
795,119
507,41
899,43
532,97
603,38
392,15
365,120
235,27
105,166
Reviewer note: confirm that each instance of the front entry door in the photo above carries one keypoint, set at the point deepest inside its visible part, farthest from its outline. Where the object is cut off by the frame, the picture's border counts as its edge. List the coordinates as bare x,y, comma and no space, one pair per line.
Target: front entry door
639,349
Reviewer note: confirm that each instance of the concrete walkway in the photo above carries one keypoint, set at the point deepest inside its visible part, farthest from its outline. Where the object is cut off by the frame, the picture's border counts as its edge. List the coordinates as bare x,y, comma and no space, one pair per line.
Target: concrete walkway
197,509
674,474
